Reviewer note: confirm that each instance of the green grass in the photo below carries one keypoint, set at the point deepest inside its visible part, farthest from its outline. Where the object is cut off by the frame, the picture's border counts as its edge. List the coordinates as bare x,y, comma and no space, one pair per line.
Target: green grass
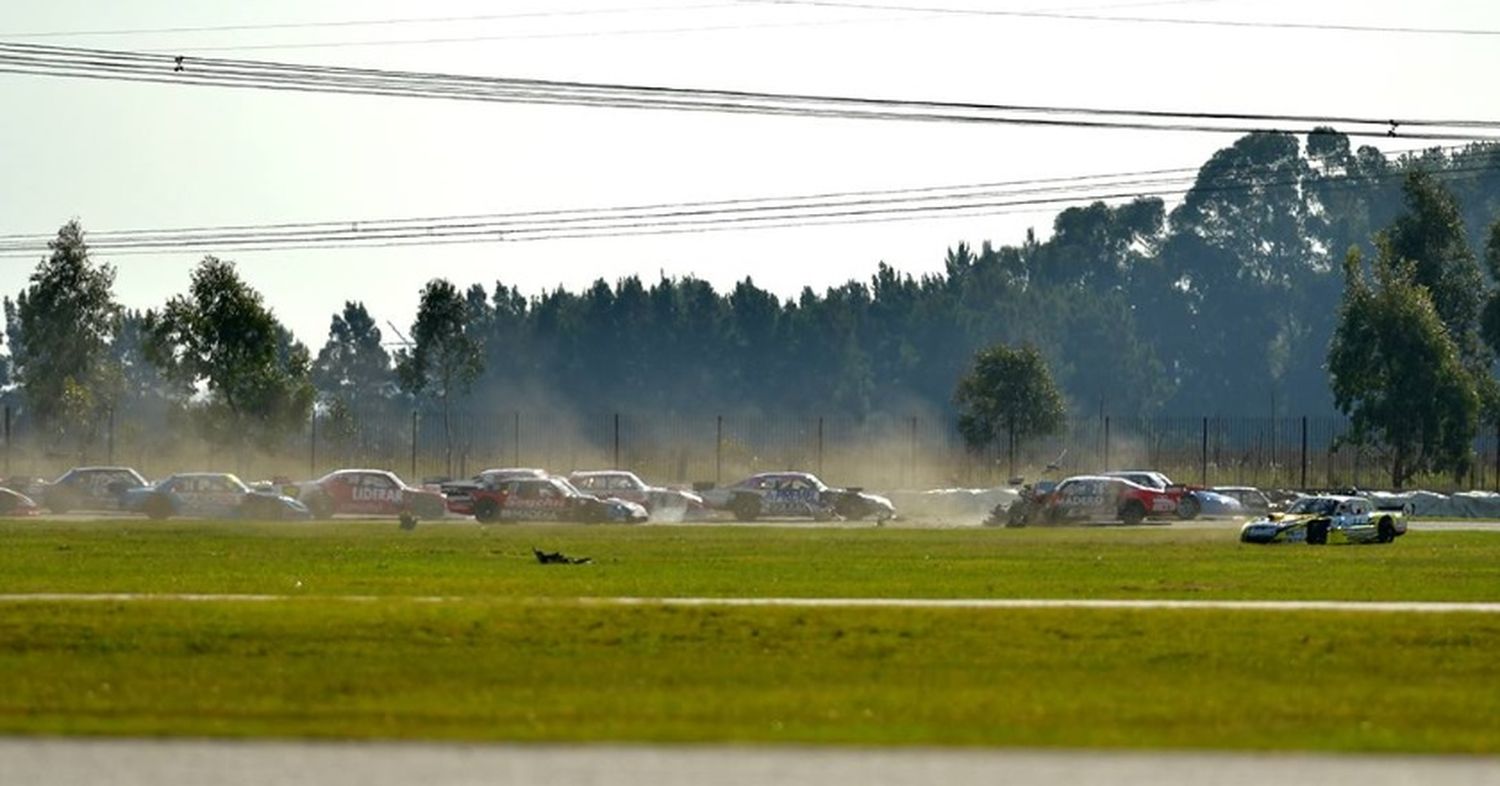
493,665
377,558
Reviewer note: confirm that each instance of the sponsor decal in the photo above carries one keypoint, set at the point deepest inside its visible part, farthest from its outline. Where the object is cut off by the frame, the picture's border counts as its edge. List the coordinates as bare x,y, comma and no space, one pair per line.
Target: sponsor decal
373,494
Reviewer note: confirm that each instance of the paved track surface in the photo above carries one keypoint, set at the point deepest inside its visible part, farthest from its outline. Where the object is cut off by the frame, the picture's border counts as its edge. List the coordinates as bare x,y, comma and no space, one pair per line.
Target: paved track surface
54,762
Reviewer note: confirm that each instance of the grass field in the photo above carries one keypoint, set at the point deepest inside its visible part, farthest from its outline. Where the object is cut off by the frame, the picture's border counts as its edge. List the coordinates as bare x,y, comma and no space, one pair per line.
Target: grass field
510,656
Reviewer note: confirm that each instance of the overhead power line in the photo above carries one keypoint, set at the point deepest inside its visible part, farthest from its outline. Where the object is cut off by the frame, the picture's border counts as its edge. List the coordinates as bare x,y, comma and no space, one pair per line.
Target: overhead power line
846,207
252,74
1149,20
387,22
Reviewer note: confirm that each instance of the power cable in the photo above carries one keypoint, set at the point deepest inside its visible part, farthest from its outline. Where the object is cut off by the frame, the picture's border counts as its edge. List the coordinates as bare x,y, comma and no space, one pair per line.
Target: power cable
336,23
646,220
1156,20
105,64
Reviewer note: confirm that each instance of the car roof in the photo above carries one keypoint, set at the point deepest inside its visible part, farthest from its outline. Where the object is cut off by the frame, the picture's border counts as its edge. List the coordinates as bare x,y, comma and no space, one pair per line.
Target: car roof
595,473
1105,478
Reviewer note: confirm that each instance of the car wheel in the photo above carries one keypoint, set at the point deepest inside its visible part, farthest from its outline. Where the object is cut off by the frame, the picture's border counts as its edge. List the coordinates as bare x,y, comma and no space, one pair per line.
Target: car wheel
159,508
1133,513
1188,507
1385,530
745,507
1017,514
486,510
1317,533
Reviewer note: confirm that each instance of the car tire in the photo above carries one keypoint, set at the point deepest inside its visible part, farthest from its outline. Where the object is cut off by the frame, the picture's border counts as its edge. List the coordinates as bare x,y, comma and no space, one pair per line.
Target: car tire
1385,531
1133,513
1017,514
1317,533
158,508
745,507
486,510
1188,507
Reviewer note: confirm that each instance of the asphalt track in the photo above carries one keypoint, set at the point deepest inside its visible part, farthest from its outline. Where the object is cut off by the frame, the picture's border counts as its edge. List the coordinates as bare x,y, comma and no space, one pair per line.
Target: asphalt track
55,762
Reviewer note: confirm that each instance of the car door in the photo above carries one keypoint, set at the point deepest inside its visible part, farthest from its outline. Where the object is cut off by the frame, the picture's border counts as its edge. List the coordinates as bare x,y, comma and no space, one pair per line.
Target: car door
376,493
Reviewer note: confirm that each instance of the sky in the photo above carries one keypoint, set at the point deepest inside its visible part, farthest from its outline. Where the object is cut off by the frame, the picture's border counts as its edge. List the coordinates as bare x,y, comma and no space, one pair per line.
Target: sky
116,155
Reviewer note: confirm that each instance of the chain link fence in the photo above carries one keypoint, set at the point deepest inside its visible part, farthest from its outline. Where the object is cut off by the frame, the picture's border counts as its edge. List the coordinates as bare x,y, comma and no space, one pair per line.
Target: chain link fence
881,451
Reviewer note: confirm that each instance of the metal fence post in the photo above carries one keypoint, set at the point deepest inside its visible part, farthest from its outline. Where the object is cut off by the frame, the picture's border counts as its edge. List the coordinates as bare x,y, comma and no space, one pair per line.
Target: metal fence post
912,457
820,445
1106,443
719,450
312,446
1203,479
1304,453
414,445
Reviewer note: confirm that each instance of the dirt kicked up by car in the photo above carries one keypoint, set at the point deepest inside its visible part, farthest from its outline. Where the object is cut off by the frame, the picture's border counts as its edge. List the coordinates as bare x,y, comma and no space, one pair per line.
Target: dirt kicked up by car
1327,519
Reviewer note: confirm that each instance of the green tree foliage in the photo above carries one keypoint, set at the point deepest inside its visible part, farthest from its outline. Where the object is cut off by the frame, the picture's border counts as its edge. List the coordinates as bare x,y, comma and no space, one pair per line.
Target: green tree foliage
1490,319
1224,302
221,336
60,328
444,358
1008,394
1430,235
353,367
1397,372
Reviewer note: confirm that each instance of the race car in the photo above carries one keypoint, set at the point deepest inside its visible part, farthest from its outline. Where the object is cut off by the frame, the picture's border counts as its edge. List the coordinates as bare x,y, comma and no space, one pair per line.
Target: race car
628,486
367,492
550,499
1187,501
460,493
90,488
796,494
210,495
14,504
1253,500
1321,519
1091,498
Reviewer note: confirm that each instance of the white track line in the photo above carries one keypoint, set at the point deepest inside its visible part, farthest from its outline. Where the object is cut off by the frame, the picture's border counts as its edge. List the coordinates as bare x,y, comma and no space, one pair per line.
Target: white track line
1404,607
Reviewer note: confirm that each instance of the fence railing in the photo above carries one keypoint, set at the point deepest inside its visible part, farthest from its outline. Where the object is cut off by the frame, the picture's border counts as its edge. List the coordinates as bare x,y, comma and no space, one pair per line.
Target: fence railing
882,451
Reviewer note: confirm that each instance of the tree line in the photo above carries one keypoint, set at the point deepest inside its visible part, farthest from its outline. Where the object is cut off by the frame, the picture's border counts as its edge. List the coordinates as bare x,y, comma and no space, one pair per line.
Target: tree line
1227,304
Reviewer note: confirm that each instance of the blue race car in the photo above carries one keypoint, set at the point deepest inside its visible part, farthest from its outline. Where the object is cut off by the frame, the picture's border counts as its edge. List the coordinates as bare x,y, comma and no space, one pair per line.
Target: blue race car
211,495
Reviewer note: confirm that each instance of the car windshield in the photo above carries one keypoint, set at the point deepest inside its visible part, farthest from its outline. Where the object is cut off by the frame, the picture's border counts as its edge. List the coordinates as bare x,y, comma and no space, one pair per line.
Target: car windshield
1316,505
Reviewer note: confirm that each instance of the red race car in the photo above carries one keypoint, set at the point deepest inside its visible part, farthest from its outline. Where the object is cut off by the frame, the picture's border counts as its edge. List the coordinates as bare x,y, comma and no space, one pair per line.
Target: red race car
1092,498
367,492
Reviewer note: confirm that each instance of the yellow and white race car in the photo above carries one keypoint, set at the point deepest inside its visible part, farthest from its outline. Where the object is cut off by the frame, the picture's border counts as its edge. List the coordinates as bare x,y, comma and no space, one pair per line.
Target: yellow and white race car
1328,518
